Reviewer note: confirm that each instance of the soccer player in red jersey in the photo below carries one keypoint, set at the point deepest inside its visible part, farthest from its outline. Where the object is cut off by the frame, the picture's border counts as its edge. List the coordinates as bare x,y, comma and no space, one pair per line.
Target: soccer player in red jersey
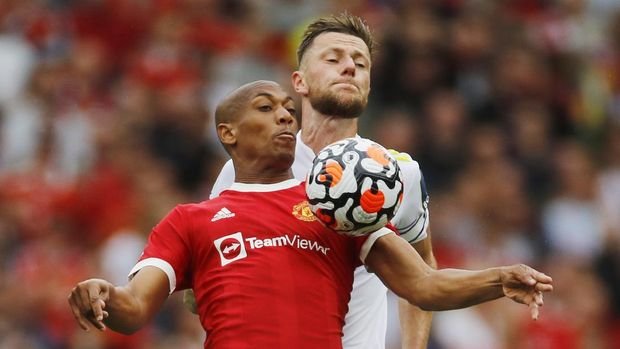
265,272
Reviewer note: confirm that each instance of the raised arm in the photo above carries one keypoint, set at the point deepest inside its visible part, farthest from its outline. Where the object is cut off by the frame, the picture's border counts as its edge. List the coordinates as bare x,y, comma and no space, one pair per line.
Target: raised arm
124,309
406,274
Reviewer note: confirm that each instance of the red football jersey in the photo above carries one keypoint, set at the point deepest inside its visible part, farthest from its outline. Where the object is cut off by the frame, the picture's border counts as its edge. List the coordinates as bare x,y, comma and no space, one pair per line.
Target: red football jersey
266,273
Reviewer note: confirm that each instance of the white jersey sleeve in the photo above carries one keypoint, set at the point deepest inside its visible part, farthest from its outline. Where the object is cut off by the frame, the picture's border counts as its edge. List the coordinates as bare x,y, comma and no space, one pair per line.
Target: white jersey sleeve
224,180
412,217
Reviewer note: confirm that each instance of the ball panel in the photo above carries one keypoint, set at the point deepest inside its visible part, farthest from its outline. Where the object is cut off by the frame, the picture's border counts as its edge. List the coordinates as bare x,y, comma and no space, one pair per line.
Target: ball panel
332,173
375,153
372,201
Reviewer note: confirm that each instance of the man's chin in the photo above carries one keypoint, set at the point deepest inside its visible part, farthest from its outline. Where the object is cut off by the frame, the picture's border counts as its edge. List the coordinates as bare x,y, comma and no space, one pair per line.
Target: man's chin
351,110
343,110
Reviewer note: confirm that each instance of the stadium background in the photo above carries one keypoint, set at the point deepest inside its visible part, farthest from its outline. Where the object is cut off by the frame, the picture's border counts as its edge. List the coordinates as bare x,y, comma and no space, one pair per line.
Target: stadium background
511,107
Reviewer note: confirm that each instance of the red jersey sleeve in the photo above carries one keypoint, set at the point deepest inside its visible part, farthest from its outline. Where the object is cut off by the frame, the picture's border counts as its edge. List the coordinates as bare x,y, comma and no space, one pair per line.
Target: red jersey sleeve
168,248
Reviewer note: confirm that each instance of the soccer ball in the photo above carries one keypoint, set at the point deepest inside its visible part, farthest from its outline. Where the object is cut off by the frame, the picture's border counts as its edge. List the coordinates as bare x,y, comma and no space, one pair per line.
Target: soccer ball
354,186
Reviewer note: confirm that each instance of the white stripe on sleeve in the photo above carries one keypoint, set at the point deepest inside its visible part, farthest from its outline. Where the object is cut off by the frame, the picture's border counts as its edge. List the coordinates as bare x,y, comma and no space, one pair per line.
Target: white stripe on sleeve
158,263
371,241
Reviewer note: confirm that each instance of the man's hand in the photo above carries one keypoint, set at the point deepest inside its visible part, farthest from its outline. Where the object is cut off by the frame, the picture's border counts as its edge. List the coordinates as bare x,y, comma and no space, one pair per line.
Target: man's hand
525,285
88,300
189,300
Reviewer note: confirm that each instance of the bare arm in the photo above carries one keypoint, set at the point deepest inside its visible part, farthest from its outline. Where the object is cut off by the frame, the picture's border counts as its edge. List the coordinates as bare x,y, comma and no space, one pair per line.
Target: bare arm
415,323
124,309
405,273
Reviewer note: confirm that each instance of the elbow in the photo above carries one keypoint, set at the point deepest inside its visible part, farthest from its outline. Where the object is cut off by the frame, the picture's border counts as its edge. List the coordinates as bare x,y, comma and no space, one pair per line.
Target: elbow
423,303
423,294
416,296
427,306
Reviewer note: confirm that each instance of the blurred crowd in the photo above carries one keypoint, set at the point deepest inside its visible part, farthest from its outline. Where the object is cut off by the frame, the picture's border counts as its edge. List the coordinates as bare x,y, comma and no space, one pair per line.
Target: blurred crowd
511,107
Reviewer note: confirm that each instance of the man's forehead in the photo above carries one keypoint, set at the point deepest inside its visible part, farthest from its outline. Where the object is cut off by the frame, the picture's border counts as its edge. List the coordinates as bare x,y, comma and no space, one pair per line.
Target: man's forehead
272,92
252,90
257,87
335,40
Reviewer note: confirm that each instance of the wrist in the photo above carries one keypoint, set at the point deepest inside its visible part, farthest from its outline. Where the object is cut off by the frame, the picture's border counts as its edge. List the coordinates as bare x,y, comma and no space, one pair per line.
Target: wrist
501,275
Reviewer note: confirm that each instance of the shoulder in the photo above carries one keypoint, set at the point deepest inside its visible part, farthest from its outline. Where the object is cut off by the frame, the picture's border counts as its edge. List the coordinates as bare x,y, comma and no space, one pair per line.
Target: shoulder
400,156
409,166
186,216
197,208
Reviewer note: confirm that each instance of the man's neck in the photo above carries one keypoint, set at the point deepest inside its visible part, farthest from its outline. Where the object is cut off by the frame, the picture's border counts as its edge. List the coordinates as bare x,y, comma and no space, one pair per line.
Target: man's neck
318,130
252,172
263,178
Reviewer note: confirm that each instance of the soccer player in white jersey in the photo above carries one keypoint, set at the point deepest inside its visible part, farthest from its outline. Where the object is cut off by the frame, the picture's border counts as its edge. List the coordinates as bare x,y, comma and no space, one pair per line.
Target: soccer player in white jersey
278,280
333,81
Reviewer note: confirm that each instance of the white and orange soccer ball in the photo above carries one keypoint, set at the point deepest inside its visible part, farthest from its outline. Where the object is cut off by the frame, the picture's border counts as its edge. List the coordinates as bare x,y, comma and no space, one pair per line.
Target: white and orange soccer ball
354,186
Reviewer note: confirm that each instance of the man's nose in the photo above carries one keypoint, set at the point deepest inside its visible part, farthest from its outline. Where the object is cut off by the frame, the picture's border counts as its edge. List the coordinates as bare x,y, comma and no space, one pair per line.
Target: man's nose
285,117
348,66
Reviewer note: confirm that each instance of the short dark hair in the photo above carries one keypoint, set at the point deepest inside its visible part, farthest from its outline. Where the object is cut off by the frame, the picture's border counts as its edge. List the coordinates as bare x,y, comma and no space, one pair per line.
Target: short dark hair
345,23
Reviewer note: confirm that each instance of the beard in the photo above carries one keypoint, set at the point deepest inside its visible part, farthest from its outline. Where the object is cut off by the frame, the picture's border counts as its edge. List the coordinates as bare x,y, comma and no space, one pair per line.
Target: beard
328,103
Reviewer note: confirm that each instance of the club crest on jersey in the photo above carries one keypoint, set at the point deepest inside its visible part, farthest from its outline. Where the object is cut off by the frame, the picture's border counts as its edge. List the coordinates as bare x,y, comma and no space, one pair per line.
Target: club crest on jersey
303,212
231,248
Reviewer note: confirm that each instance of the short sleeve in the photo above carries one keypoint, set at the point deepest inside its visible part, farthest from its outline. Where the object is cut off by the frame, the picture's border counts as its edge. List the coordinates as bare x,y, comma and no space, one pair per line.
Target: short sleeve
412,219
168,248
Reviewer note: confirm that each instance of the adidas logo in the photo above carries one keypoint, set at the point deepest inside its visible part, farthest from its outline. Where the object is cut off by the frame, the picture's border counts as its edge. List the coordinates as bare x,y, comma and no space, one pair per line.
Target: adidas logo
221,214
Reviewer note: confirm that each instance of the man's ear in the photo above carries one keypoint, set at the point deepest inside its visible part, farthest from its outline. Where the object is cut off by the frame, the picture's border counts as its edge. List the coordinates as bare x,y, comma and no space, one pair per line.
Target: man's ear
226,133
299,84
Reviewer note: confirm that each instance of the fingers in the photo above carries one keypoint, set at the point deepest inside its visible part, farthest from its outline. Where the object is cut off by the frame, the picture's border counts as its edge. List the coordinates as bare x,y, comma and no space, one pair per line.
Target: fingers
76,310
535,304
189,300
527,285
82,298
531,277
542,277
524,274
539,287
542,282
98,314
87,302
538,299
97,296
534,312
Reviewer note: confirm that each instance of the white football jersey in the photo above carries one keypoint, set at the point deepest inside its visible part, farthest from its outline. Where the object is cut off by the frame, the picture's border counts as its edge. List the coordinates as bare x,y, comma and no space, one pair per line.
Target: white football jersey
366,321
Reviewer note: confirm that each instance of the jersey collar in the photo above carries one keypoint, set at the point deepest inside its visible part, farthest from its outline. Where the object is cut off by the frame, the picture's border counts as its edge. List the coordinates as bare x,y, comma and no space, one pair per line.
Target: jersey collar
254,187
304,153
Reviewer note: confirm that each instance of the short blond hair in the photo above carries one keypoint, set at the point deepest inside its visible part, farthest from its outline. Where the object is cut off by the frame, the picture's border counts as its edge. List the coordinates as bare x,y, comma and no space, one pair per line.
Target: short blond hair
345,23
